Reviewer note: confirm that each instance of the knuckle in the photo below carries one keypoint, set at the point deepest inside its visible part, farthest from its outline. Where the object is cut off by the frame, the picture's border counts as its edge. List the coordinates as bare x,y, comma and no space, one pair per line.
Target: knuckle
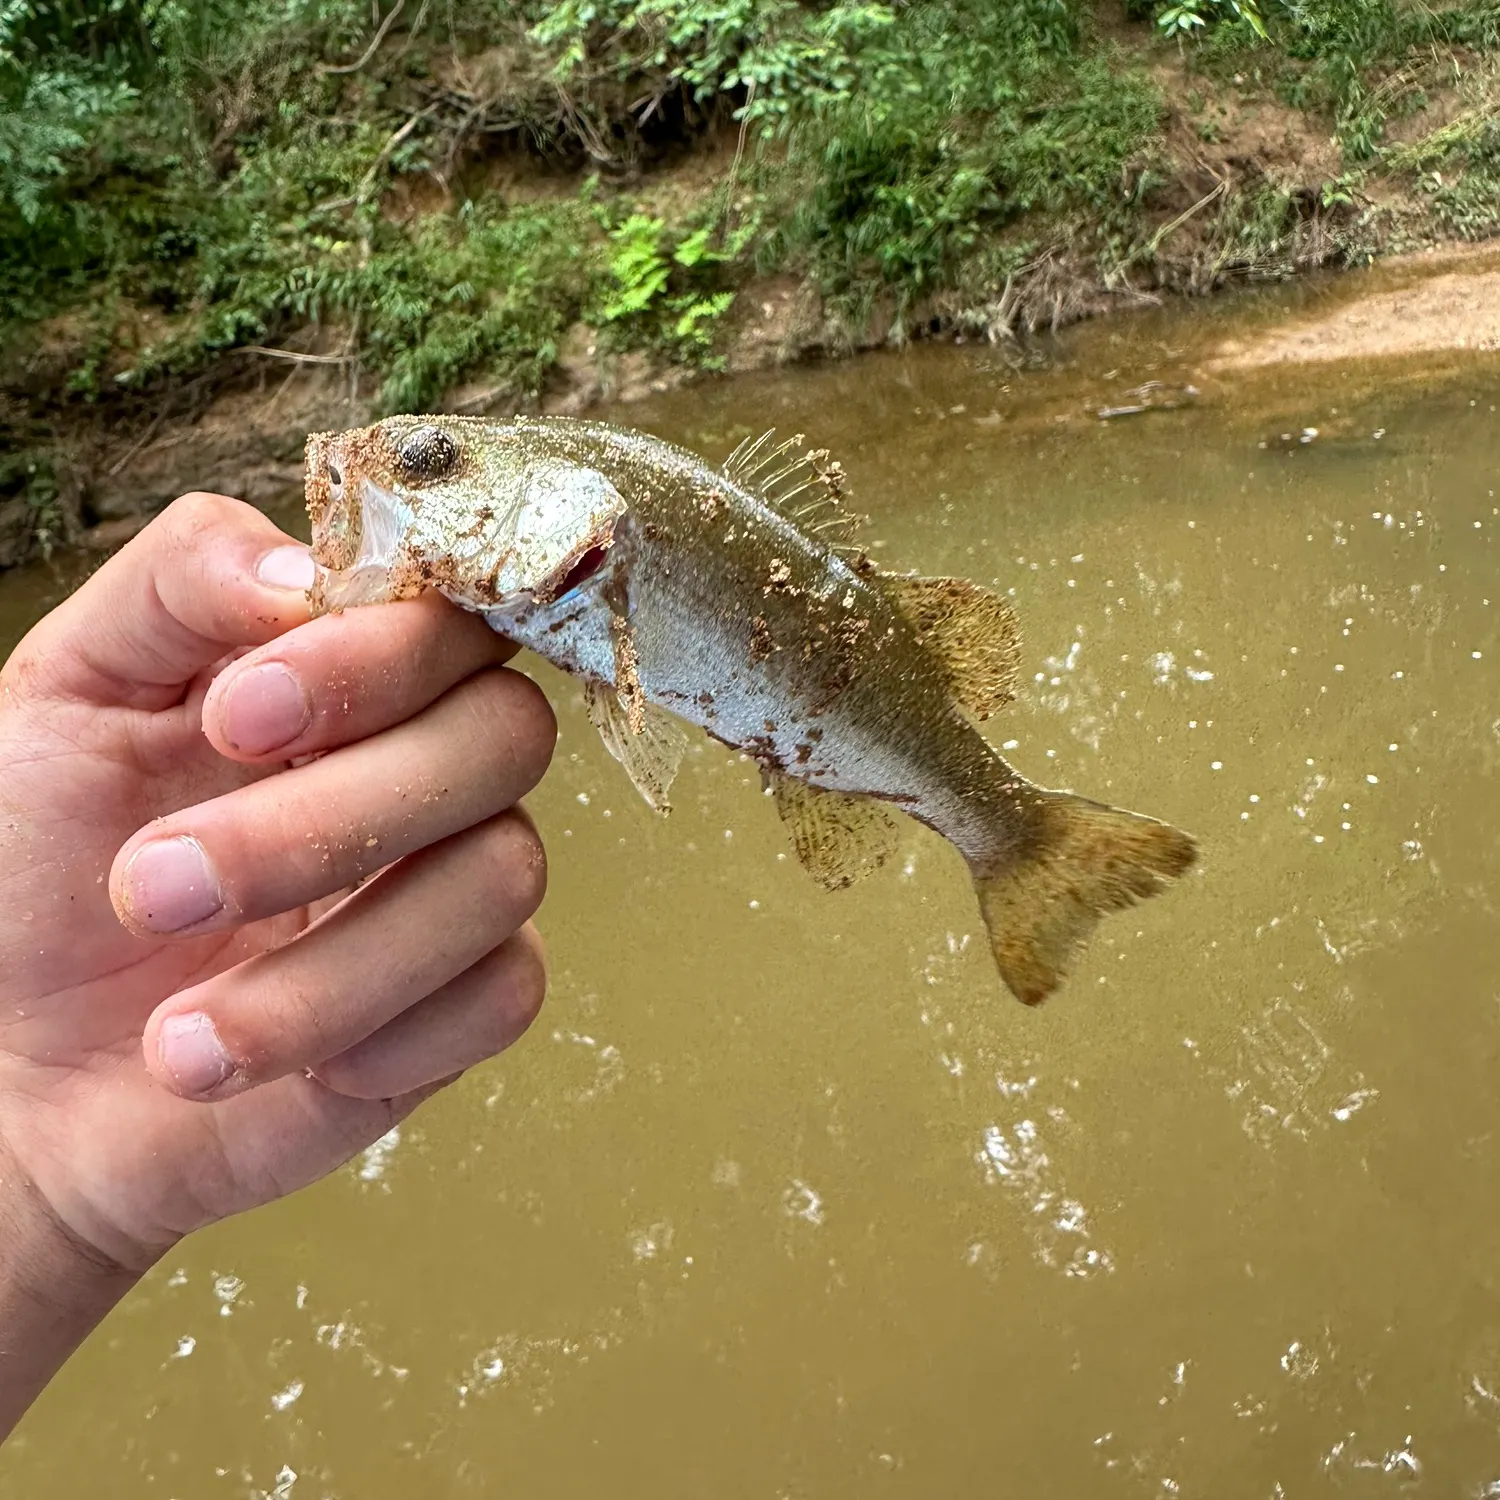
532,712
530,969
343,1074
22,672
516,993
200,510
288,1032
513,714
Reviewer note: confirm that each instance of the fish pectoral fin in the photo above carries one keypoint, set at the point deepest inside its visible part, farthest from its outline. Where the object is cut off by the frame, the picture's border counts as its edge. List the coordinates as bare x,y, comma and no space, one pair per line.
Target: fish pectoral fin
839,839
973,632
650,753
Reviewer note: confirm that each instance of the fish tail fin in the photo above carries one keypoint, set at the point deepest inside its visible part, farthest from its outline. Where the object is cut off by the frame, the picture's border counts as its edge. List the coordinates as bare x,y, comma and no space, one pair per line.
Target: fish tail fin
1086,860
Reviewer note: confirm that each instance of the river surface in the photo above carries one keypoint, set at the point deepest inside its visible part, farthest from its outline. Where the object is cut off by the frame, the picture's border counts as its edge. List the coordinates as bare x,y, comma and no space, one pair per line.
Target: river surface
784,1197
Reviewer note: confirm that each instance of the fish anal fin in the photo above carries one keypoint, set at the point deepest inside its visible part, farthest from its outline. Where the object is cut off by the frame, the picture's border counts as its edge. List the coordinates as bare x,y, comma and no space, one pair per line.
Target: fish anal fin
838,838
1085,861
973,632
650,754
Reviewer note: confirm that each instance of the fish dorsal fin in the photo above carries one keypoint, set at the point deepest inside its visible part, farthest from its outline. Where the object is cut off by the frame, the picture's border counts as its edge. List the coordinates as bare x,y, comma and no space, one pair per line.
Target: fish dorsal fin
973,632
650,753
838,838
805,485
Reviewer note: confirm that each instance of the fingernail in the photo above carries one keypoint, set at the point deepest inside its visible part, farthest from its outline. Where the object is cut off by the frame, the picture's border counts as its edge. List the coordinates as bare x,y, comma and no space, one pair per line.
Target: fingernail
287,568
192,1054
264,708
170,885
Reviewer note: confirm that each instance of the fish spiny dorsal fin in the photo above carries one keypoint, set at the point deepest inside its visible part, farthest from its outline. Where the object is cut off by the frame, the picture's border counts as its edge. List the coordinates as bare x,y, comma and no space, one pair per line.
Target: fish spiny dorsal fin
772,471
839,839
805,485
650,753
972,631
753,454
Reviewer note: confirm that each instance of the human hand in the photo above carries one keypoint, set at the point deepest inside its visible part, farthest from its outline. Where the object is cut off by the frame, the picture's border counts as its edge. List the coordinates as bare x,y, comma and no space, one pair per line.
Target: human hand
198,1013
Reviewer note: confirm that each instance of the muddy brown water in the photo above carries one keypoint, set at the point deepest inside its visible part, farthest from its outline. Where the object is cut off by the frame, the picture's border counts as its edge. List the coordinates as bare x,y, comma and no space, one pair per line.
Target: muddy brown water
784,1197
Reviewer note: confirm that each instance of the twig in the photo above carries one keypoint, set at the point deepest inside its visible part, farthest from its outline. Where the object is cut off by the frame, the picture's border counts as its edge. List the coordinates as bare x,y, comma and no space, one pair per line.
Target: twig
1154,243
415,29
141,442
392,141
379,37
734,166
351,348
293,354
276,396
1217,191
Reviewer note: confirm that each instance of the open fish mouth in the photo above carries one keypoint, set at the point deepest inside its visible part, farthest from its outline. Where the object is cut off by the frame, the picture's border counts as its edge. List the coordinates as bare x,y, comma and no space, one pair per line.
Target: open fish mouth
381,522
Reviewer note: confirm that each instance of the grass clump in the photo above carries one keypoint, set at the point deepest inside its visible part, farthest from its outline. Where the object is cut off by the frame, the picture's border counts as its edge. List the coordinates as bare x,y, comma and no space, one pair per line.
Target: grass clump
1358,63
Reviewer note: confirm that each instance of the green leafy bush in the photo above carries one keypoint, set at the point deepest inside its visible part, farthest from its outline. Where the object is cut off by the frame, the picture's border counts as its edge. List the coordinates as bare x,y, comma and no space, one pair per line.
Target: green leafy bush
664,290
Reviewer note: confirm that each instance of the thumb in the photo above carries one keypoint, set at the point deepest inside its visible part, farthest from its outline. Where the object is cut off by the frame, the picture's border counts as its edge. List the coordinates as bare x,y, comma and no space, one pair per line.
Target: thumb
207,576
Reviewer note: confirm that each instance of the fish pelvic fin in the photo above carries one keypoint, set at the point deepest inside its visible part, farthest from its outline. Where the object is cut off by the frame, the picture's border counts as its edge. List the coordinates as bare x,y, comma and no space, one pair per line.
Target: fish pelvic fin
646,740
1087,860
972,632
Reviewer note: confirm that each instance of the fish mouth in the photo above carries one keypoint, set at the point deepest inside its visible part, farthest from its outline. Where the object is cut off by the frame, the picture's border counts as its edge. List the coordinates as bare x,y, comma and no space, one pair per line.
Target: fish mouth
383,519
546,539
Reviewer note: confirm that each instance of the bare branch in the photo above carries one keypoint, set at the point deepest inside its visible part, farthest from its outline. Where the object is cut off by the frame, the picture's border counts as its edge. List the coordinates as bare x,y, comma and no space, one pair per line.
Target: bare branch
293,354
375,42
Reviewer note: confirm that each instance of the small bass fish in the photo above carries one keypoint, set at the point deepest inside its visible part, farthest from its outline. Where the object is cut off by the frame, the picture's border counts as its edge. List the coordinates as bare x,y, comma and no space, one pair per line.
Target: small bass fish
677,591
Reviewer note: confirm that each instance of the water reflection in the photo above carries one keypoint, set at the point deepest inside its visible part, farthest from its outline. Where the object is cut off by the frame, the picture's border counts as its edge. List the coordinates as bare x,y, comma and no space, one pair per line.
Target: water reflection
783,1197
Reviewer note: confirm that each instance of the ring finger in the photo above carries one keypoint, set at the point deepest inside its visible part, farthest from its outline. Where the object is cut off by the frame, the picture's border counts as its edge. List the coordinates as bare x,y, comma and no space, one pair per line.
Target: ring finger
398,940
472,1017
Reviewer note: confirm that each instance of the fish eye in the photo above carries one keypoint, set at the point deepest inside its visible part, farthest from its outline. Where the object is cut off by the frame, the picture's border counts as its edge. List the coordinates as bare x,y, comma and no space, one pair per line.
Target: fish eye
427,452
335,479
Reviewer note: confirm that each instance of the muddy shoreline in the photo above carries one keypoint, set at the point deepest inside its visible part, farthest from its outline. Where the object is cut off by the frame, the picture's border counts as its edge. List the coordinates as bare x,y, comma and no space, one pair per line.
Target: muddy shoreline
249,440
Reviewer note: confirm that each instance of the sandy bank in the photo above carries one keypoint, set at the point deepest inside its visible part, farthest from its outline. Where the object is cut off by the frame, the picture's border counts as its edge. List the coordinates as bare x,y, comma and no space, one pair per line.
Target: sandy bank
1457,310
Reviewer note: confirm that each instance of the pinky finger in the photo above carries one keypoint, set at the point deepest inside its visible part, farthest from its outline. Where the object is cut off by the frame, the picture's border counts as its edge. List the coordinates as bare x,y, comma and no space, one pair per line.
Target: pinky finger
471,1018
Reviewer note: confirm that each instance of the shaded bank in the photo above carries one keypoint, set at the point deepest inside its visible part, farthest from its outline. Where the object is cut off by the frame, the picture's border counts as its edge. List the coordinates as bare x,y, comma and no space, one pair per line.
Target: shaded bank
248,441
223,228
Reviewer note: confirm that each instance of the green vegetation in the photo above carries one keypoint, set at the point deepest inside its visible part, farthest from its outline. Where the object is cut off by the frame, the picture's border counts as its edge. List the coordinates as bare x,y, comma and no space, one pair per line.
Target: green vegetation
423,193
663,294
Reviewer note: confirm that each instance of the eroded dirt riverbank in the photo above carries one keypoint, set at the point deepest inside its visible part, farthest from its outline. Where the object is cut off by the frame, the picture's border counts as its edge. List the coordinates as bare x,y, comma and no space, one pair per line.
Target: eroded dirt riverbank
1444,302
1414,307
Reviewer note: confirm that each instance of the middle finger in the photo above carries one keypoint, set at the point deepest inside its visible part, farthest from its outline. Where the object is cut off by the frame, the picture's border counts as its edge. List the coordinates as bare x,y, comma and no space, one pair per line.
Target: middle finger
307,832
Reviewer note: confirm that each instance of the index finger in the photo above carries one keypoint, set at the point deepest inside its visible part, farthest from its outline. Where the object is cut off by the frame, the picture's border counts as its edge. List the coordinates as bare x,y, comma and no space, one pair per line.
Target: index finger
343,677
208,575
